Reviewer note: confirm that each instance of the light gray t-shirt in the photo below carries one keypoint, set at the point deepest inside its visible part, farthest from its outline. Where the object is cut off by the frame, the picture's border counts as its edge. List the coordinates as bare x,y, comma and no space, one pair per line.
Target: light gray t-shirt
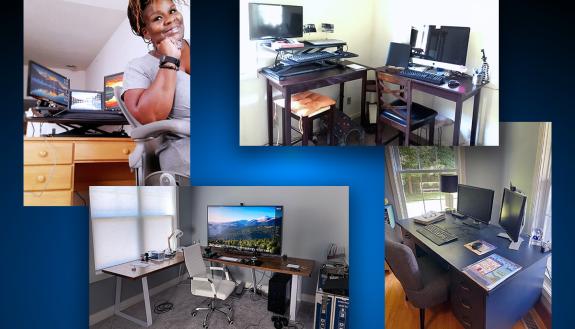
174,150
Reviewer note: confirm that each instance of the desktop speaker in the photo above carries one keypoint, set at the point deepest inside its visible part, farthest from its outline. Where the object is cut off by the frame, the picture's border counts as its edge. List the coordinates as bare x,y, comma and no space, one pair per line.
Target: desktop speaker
279,293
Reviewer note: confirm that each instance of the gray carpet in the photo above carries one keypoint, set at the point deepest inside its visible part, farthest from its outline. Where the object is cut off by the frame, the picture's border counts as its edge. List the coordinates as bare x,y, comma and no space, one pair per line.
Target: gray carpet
250,312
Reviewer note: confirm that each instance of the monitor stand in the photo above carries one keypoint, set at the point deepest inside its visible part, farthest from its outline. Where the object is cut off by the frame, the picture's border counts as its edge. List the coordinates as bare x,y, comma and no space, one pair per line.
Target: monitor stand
513,245
474,223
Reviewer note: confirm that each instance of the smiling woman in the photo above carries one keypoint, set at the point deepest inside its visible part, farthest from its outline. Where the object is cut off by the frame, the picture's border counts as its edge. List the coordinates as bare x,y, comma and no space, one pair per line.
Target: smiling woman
157,85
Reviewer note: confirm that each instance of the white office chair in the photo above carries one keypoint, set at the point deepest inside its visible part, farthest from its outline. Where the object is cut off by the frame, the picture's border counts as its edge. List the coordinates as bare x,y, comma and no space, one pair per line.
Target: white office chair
208,287
143,159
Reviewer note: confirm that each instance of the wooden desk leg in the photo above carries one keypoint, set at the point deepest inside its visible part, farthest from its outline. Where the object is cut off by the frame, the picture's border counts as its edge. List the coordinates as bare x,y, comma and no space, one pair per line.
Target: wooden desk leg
294,296
364,120
287,120
474,122
146,303
306,125
457,123
341,92
270,114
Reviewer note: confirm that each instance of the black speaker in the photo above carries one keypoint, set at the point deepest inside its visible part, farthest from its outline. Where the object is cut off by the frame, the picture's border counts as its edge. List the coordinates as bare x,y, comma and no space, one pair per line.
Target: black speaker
279,293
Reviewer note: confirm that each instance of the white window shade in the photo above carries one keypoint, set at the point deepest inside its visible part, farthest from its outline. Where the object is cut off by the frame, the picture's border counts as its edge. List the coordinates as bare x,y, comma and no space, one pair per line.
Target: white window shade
128,221
156,230
115,241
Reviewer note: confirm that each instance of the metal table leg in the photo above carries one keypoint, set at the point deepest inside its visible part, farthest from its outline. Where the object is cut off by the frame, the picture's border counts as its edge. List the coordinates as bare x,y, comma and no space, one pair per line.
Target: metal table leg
146,303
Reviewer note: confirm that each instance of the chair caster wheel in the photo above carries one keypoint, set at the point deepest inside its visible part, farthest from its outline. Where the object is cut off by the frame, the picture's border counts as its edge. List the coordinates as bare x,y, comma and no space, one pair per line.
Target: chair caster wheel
194,313
230,308
231,322
205,326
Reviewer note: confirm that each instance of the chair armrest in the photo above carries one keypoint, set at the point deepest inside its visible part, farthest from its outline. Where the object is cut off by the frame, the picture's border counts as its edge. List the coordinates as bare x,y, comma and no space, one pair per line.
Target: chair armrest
157,128
223,269
207,280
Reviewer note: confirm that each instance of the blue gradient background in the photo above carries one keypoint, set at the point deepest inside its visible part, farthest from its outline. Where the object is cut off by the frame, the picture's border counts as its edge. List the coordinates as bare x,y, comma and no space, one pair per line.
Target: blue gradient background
44,271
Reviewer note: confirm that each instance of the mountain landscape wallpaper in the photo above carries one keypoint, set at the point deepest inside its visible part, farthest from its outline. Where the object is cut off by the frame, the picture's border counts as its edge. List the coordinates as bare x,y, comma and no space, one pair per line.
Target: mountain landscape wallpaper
246,228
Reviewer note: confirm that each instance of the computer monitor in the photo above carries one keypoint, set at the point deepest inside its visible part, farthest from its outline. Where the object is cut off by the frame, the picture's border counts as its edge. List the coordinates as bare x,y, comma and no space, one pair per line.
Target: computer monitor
246,228
475,203
47,85
85,100
398,55
110,82
440,46
268,21
512,211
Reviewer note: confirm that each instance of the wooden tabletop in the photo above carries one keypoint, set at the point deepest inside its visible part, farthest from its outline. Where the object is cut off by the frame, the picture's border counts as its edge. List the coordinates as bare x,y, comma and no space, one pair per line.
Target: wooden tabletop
269,263
126,270
335,75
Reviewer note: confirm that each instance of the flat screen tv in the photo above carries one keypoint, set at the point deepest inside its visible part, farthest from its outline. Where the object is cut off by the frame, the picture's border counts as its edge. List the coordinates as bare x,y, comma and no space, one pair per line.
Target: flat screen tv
246,228
269,21
47,85
110,82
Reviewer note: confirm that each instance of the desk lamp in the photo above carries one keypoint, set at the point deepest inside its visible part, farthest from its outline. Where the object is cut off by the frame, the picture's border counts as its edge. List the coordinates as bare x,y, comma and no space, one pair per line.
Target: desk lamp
448,184
177,234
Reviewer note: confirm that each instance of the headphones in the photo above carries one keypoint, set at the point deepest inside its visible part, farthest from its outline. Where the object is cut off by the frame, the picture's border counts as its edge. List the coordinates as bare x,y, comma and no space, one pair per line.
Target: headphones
279,321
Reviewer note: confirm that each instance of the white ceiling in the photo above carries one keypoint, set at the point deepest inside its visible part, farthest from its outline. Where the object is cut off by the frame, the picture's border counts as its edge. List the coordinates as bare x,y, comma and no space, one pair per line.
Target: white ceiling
69,32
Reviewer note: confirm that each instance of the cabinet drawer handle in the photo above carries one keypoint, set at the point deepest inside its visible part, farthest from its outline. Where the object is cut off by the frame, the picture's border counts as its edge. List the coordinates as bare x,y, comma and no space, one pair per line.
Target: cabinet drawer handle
41,178
467,324
43,154
463,286
126,151
465,305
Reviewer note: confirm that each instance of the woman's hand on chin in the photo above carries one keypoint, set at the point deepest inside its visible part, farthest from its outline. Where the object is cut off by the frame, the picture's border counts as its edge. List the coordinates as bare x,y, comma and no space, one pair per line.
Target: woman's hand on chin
169,47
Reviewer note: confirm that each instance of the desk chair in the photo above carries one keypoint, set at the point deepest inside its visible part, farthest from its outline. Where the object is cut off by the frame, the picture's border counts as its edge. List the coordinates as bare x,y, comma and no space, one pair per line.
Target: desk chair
425,284
396,113
308,106
203,286
143,159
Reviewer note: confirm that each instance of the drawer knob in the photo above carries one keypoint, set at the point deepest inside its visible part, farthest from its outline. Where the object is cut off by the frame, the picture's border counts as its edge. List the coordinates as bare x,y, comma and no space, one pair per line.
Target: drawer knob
126,151
41,178
43,154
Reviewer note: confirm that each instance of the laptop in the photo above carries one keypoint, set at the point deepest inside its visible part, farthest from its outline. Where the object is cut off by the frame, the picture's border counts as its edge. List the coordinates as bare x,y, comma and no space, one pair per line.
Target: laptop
323,42
89,103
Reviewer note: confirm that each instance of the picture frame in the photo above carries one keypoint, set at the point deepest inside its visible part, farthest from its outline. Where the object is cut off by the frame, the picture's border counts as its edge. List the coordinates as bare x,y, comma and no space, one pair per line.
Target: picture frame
389,215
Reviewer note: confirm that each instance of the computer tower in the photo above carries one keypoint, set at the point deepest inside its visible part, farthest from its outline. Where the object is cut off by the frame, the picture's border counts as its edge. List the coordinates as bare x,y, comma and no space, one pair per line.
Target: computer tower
341,307
279,293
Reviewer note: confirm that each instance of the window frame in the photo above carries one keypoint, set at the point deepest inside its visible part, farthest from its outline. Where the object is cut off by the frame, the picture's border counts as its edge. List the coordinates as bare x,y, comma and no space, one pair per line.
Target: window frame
393,160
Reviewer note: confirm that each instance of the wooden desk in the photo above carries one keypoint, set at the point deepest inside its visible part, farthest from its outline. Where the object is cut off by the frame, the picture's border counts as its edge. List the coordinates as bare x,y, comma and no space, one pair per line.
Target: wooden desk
276,265
56,167
472,305
125,271
304,82
458,95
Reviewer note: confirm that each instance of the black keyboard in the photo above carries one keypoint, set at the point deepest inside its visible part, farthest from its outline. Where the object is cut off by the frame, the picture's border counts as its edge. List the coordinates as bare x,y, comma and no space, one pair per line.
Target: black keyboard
312,57
436,234
281,72
423,76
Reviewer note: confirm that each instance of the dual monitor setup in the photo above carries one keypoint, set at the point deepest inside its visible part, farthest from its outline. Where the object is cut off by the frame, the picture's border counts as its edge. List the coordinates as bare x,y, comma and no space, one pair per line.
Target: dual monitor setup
474,206
52,91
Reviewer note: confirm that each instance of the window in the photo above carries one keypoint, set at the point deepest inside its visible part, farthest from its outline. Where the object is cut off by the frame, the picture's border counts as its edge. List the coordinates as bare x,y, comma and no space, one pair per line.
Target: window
127,221
418,171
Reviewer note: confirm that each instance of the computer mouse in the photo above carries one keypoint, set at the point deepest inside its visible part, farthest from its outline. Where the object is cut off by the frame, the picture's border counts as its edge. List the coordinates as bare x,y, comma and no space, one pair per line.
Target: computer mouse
476,245
453,83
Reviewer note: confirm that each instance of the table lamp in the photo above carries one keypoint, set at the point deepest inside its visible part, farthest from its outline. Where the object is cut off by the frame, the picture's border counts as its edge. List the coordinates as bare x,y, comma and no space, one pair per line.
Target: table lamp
448,184
177,234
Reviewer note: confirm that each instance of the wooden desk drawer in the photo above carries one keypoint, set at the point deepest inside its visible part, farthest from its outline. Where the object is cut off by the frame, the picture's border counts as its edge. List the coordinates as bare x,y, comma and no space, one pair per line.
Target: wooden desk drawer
39,178
48,198
103,150
47,152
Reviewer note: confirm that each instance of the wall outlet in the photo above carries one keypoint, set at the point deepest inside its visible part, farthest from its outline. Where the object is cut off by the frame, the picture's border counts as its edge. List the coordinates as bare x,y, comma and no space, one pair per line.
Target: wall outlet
348,100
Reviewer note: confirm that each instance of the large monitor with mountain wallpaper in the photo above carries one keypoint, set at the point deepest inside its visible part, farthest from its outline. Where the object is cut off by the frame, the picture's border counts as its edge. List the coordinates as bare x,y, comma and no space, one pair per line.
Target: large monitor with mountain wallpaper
246,228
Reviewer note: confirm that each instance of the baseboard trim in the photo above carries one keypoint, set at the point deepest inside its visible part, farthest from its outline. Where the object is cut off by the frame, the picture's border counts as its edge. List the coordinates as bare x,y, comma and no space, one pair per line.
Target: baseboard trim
108,312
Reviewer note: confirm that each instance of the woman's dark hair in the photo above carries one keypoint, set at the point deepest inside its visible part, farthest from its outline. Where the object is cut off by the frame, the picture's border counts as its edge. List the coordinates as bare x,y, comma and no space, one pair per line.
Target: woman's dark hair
135,14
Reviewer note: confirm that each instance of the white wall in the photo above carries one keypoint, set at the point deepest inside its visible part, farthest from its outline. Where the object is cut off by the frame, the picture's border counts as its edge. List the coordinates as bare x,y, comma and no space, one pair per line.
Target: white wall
352,23
314,217
393,21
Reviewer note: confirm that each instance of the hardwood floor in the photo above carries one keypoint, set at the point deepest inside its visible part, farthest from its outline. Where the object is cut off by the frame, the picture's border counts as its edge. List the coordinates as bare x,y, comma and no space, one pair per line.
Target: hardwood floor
400,314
